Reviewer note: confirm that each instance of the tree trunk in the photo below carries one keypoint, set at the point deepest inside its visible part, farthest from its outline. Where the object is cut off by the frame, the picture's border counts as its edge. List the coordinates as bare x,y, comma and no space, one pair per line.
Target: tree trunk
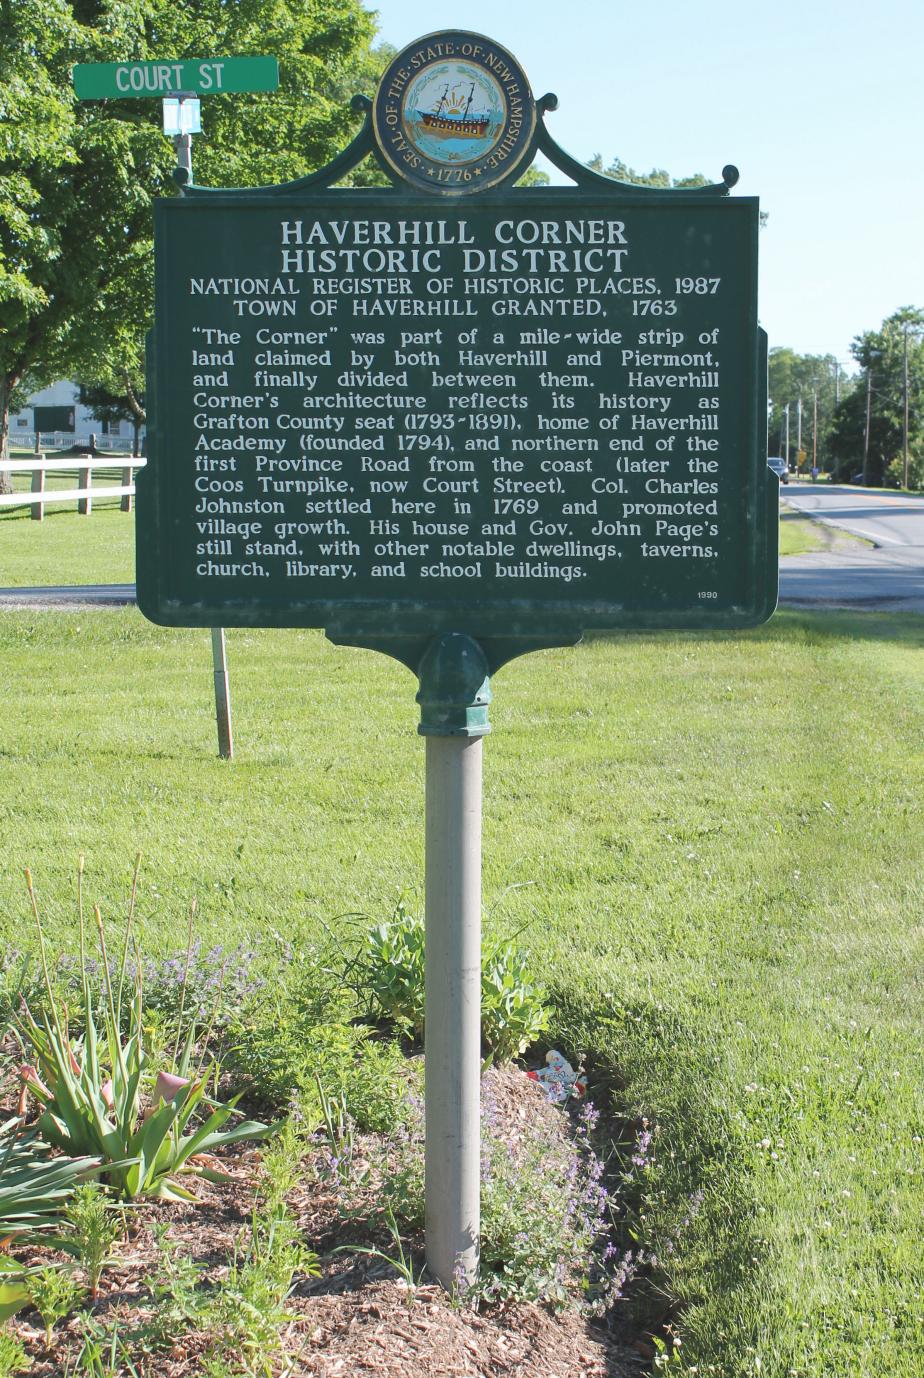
6,480
139,415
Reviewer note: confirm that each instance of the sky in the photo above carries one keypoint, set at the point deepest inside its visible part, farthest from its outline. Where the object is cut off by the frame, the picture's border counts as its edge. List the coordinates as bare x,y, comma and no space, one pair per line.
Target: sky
820,106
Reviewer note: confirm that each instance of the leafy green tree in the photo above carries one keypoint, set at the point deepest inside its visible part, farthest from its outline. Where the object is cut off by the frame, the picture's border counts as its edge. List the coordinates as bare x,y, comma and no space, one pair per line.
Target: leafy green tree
815,380
113,407
881,392
657,177
77,179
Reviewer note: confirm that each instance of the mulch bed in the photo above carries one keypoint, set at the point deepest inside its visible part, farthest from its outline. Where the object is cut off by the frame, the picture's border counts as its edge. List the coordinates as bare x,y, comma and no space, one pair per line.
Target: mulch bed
358,1317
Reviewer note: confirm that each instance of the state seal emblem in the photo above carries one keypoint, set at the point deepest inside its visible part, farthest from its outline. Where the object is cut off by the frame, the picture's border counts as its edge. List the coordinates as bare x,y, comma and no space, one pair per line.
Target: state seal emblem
454,114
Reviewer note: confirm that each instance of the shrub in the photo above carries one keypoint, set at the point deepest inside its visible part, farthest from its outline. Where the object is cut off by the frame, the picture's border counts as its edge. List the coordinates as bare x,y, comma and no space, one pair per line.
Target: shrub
54,1294
894,475
94,1228
392,970
13,1358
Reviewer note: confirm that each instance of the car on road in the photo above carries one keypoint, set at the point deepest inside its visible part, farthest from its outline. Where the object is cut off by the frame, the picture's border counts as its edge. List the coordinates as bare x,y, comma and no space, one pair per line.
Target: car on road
778,465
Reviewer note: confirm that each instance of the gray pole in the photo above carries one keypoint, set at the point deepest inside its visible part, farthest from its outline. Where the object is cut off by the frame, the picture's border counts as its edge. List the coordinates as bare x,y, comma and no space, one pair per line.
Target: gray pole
454,694
182,144
222,694
905,412
786,410
869,396
798,431
453,1008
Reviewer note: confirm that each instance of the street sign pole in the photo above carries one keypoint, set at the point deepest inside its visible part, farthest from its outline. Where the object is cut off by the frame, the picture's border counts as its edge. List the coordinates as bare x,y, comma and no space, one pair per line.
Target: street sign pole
179,83
182,144
454,696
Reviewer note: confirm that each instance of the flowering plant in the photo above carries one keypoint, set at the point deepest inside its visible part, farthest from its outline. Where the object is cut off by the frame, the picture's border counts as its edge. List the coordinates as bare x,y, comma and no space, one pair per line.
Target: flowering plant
90,1089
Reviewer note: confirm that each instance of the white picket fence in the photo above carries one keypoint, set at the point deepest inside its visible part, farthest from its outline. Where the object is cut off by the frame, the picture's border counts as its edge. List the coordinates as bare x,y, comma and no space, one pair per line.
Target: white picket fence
46,441
85,466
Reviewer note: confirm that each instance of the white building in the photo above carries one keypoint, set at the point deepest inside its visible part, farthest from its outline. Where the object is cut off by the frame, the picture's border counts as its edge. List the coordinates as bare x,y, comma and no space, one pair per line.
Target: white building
56,413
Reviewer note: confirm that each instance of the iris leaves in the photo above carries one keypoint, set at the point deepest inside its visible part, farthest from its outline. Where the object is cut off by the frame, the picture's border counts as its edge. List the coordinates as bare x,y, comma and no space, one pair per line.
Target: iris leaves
93,1087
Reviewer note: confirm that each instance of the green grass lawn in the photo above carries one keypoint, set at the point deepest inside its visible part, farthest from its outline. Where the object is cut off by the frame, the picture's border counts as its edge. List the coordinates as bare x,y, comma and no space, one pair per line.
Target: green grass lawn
67,547
714,843
799,534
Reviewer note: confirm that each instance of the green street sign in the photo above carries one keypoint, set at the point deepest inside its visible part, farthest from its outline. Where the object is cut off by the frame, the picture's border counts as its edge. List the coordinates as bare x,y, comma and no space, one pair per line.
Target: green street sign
200,75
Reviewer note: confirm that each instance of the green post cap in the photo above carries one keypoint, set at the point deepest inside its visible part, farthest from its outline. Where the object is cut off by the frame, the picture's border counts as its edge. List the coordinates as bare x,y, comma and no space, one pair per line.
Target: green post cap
455,688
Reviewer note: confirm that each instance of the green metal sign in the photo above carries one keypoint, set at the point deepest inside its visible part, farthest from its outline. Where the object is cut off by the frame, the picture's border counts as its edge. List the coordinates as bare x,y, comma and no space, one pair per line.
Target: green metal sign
515,415
206,76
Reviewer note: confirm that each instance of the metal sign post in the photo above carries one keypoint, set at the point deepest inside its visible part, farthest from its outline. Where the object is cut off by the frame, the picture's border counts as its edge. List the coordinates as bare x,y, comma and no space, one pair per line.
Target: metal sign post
455,421
222,694
454,697
181,122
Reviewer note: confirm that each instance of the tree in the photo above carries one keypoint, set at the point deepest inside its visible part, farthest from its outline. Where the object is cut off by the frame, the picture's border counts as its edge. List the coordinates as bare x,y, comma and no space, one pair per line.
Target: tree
815,381
881,395
77,179
114,407
657,177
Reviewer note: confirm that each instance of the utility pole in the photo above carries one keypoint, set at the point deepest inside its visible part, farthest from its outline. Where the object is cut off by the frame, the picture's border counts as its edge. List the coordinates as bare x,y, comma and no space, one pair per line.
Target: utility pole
786,414
905,408
869,398
814,432
798,428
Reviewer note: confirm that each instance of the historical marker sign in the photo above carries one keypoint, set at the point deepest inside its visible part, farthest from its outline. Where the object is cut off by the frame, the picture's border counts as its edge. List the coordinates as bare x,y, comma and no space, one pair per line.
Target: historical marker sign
514,413
212,76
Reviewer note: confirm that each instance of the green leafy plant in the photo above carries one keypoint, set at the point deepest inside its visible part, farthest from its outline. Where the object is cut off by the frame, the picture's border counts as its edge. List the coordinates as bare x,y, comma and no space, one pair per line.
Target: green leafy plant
176,1297
340,1130
245,1315
282,1053
513,1010
13,1358
34,1187
14,1294
103,1353
392,969
94,1229
54,1294
91,1087
402,1260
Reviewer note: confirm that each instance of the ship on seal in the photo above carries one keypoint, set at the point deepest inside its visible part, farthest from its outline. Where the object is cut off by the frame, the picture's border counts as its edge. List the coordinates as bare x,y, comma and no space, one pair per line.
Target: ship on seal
447,123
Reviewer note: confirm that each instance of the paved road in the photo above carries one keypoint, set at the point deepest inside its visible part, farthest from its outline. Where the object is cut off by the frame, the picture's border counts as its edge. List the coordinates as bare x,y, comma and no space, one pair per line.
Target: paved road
888,574
883,518
68,595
